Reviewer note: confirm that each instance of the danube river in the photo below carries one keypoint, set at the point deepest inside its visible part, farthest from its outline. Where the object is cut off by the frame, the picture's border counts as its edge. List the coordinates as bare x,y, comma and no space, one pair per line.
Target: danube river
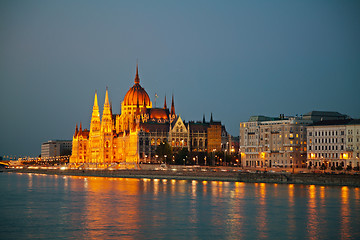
63,207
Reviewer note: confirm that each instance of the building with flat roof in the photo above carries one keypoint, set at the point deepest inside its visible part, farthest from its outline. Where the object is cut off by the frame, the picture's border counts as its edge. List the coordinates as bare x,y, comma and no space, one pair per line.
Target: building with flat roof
334,143
279,141
274,142
55,148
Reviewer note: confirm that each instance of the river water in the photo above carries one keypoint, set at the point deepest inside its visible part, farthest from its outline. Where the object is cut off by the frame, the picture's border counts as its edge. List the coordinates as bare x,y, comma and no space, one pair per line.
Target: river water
64,207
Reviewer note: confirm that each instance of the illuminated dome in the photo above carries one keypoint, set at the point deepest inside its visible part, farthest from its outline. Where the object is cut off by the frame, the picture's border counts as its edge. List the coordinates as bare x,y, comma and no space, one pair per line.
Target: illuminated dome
136,93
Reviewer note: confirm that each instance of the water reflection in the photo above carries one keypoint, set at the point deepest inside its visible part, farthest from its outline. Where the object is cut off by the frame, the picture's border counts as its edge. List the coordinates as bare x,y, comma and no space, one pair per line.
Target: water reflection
261,212
111,208
312,224
345,213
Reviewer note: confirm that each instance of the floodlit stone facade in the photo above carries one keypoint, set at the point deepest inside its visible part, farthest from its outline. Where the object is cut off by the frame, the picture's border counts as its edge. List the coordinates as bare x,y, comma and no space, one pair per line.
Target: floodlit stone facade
273,142
134,135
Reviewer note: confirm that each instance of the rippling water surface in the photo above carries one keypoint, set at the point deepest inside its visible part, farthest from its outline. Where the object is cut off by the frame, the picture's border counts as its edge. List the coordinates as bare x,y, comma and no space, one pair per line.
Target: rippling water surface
63,207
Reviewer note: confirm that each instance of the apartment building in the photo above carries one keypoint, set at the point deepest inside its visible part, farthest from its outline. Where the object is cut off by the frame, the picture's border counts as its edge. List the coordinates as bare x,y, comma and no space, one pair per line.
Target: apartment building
334,143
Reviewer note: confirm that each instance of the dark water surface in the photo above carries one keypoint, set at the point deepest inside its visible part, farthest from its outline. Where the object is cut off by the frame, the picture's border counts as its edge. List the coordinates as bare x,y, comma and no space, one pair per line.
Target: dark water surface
63,207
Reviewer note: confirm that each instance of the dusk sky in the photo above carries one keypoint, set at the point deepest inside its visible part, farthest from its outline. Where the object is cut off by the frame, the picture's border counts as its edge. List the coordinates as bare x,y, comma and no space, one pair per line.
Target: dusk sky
232,58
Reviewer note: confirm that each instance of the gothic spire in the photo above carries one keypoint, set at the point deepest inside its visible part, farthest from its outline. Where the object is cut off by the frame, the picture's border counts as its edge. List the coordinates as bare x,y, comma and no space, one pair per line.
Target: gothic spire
76,131
172,112
137,79
203,118
165,106
211,118
80,129
95,112
107,98
106,109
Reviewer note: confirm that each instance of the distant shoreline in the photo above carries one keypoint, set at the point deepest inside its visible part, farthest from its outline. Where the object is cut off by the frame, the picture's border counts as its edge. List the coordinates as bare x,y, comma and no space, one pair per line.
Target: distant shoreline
283,178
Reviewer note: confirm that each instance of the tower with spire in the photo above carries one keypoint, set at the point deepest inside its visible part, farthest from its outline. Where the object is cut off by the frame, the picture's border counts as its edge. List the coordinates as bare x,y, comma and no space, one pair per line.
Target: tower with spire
94,135
107,127
172,111
135,133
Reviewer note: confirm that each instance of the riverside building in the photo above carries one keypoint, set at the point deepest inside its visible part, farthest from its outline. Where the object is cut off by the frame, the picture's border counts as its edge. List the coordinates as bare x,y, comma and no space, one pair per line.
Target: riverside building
55,148
278,141
273,142
134,135
334,143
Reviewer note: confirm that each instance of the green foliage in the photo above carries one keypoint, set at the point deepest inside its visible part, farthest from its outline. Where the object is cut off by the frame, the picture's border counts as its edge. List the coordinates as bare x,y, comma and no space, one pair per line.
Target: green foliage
164,152
181,157
339,168
323,167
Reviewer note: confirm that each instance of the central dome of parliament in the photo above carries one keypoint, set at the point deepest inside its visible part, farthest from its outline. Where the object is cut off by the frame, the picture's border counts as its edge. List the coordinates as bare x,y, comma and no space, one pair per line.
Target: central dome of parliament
136,94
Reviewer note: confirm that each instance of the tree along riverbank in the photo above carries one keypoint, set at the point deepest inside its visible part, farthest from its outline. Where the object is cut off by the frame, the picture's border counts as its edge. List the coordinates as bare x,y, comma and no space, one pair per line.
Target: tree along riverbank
233,176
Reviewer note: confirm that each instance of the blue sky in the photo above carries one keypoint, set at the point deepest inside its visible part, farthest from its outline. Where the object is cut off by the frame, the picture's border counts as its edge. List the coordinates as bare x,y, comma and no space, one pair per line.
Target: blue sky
232,58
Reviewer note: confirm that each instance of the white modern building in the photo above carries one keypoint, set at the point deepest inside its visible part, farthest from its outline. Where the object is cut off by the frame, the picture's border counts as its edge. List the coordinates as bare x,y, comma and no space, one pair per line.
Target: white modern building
54,148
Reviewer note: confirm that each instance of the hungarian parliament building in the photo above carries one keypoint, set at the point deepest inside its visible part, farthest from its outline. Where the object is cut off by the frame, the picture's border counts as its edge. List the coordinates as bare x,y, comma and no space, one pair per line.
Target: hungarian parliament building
134,135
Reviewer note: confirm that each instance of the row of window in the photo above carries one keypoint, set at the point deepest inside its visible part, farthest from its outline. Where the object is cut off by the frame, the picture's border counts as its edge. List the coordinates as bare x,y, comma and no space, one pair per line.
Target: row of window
330,148
326,133
326,140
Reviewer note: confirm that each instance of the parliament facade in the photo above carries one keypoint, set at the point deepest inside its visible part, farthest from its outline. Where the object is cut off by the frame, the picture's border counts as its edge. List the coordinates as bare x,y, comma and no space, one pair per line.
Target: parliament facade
134,135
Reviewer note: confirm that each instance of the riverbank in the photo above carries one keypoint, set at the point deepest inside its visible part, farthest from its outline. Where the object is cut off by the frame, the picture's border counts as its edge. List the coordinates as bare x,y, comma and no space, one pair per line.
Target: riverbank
232,176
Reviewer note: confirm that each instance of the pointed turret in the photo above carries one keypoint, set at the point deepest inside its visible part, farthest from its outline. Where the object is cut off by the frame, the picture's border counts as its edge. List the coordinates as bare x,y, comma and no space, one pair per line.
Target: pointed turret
211,118
76,131
172,111
165,106
106,116
80,129
95,112
137,79
203,118
107,97
106,136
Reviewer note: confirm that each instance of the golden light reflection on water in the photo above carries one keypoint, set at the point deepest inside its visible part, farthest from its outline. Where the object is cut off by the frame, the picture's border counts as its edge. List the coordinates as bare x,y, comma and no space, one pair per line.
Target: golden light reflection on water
312,223
357,193
101,210
126,207
262,212
292,213
345,213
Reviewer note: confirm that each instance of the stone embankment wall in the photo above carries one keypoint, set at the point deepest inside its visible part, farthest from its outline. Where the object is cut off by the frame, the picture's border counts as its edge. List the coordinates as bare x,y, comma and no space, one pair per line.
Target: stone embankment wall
287,178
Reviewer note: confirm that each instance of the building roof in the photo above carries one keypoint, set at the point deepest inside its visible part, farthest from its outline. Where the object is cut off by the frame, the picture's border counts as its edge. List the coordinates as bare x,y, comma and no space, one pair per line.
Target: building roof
354,122
158,113
198,126
154,127
260,118
324,113
136,94
332,122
